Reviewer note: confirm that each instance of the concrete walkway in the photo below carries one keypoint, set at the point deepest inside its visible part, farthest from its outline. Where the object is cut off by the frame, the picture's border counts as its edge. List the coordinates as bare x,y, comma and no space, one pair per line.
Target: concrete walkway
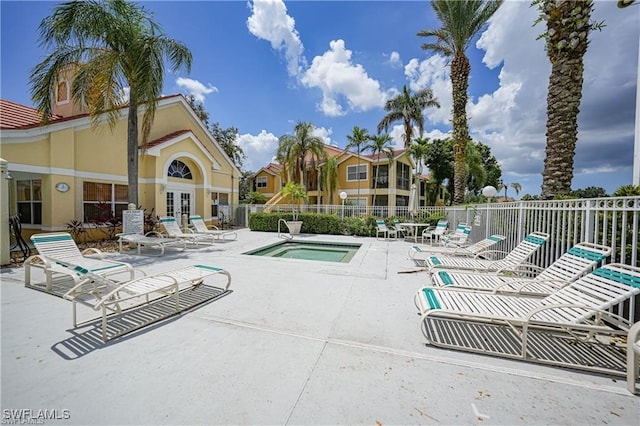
296,342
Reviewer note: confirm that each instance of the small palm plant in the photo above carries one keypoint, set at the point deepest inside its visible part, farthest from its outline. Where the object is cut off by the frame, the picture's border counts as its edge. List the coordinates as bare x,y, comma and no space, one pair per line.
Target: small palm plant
297,192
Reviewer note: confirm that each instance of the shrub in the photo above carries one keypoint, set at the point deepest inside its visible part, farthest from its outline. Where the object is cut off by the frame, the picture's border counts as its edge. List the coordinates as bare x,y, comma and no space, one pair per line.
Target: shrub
315,223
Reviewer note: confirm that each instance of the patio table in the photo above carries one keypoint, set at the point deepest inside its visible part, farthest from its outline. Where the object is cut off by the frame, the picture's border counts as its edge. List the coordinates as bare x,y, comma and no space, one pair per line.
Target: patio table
414,227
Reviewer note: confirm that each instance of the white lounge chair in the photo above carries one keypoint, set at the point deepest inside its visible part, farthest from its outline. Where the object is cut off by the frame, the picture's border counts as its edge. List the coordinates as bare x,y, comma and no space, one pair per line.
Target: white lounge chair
155,242
172,230
573,327
577,261
435,232
513,261
455,250
200,227
383,229
60,245
113,297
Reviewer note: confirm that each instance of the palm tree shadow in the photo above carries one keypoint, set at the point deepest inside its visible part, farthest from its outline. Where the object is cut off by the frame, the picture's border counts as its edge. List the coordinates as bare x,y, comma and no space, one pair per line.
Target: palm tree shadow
87,337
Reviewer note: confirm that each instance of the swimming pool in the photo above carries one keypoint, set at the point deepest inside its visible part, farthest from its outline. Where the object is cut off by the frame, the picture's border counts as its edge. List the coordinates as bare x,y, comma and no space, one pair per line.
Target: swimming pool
309,250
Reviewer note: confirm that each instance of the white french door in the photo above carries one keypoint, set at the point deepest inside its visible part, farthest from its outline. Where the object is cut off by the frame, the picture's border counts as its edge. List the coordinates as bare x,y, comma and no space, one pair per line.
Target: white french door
180,202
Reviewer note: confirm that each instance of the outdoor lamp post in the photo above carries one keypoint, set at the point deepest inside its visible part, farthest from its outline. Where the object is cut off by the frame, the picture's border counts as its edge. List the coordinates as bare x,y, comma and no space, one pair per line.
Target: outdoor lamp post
343,196
489,192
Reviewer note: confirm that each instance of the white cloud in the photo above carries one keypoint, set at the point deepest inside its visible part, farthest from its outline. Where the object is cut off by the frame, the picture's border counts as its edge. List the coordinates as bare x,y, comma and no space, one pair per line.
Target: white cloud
432,73
394,59
269,21
195,88
260,149
342,82
324,134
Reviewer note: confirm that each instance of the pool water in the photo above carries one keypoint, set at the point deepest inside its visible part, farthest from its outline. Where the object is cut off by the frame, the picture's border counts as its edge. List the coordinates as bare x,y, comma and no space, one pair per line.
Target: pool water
317,250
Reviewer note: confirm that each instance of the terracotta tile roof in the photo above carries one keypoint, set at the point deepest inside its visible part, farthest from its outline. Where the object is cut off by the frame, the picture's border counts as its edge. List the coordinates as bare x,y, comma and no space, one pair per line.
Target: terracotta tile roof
377,156
165,138
16,116
272,168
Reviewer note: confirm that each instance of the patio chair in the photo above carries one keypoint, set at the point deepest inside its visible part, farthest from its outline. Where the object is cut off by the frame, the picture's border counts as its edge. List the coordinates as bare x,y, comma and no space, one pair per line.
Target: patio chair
435,232
200,227
61,246
453,249
457,238
382,228
119,297
172,230
573,327
514,261
577,261
155,242
401,230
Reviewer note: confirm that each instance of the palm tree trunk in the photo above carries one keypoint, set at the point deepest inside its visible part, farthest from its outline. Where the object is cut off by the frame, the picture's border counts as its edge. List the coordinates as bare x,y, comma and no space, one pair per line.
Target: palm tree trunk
132,150
460,70
567,24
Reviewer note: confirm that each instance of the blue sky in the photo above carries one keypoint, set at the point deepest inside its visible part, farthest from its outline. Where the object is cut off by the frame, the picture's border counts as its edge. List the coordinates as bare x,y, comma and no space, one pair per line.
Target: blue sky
263,66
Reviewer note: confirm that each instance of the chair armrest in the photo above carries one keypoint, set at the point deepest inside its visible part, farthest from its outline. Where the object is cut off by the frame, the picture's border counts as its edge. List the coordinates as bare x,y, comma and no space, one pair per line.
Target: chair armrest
92,250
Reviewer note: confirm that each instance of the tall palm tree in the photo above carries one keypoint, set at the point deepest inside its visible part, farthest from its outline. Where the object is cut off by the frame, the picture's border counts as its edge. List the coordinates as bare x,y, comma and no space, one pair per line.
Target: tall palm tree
329,176
408,108
111,44
461,21
294,151
357,139
567,39
380,144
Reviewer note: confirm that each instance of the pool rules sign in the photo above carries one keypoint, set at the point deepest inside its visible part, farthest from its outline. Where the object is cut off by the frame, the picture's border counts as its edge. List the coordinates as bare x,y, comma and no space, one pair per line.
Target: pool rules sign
133,222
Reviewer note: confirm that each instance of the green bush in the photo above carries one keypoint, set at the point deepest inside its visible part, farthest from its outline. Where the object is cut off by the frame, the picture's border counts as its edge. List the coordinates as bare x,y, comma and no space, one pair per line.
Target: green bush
315,223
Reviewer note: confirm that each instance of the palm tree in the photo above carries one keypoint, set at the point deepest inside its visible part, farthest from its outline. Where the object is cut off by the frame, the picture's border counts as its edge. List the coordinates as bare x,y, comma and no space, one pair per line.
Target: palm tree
418,150
568,27
357,139
515,185
329,176
408,108
461,21
295,150
111,44
380,144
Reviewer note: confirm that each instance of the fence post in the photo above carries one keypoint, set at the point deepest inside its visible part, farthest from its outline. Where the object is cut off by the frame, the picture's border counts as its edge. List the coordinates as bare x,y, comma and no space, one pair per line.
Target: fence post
588,222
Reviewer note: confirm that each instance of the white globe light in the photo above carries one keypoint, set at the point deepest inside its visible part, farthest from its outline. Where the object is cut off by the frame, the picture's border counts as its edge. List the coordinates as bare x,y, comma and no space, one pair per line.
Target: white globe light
489,191
343,195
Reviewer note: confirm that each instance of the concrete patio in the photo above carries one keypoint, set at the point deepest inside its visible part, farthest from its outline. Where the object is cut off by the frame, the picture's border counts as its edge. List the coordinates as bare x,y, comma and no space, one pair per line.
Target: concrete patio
296,342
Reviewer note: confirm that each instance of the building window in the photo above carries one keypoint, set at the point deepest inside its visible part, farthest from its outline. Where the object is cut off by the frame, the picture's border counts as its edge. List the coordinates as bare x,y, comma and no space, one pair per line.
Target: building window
29,199
404,176
380,177
63,92
101,201
261,182
357,172
178,169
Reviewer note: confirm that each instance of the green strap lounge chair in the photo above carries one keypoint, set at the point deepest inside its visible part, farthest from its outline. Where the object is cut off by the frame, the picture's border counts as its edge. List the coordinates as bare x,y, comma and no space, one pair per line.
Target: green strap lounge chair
61,246
200,227
574,327
513,261
577,261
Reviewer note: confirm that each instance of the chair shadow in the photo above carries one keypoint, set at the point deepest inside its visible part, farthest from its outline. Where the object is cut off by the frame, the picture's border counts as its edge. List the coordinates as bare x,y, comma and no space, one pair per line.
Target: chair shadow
87,337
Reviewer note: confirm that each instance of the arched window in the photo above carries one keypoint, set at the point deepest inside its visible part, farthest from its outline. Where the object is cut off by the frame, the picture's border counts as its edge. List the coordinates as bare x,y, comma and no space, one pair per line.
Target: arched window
63,94
178,169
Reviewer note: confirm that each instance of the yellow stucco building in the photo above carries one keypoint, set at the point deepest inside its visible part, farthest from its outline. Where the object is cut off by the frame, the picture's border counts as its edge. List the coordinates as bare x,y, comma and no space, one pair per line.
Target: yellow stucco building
68,170
359,176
